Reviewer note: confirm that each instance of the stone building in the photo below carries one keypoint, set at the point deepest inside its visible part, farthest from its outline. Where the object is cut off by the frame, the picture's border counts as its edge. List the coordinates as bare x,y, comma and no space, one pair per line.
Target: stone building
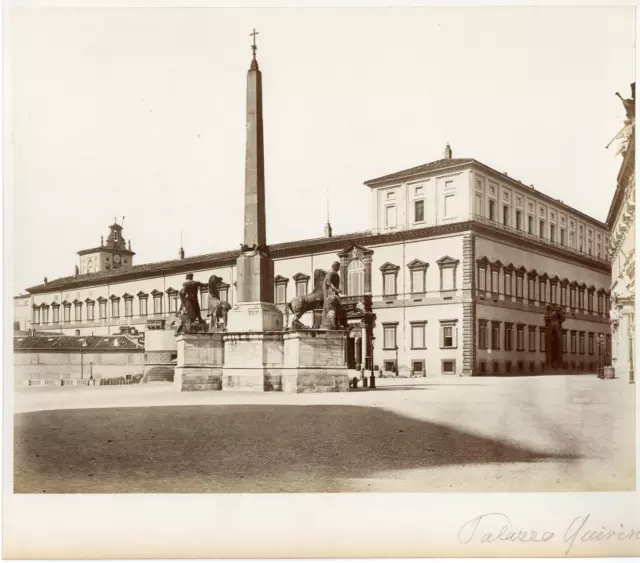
470,272
50,358
622,251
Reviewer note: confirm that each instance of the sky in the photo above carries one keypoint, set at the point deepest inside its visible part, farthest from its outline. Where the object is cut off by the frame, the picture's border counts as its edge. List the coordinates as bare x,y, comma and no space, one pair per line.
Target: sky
140,113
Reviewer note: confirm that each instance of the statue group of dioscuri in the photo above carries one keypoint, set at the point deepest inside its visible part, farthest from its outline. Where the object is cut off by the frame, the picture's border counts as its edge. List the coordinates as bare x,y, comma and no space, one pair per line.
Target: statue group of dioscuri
325,296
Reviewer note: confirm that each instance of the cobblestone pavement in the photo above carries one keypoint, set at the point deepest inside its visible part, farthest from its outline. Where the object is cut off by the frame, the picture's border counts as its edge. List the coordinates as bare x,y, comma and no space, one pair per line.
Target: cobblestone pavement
556,433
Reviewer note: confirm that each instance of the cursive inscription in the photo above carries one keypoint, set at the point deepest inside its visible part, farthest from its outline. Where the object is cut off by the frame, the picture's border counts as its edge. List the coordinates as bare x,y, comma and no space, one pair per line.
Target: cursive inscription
495,527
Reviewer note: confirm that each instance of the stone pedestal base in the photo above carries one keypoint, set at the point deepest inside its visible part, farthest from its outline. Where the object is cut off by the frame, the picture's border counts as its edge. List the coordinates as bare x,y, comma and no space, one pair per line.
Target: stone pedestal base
253,361
200,359
314,362
254,317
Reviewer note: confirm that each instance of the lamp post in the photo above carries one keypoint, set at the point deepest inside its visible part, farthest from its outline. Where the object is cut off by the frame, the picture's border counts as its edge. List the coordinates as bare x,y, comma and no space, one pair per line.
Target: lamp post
601,356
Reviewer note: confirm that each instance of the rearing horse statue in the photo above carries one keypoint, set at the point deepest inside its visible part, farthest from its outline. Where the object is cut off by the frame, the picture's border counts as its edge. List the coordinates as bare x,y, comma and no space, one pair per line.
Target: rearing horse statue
217,309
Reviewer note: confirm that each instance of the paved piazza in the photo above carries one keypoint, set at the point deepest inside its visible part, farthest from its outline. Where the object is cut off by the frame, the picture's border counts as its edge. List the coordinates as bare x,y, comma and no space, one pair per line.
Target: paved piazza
553,433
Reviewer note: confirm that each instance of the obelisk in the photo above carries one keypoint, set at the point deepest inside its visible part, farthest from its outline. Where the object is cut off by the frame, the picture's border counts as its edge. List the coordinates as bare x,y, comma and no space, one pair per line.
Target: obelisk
251,355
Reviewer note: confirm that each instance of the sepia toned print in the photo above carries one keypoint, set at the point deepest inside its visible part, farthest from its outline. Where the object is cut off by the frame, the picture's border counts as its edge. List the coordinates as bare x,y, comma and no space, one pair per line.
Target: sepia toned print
478,336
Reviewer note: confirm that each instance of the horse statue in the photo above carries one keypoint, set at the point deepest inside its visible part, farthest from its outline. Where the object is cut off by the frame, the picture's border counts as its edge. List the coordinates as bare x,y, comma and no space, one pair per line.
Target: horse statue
310,302
314,301
218,309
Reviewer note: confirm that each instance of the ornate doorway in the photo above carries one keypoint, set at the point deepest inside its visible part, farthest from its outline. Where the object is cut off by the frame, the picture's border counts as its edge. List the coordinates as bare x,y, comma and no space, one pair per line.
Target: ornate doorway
553,322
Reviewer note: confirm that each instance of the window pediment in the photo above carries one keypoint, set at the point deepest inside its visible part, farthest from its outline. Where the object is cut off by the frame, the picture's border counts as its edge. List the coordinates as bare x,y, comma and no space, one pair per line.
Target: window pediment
447,261
355,252
142,295
417,265
101,299
280,279
300,277
77,302
89,301
509,267
114,298
127,296
543,277
388,267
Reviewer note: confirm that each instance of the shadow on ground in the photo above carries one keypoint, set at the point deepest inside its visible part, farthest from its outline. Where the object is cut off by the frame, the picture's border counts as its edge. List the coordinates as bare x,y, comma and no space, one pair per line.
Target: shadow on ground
235,448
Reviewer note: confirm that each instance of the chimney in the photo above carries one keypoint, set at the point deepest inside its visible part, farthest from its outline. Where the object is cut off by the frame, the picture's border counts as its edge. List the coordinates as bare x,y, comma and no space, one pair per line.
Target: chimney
448,154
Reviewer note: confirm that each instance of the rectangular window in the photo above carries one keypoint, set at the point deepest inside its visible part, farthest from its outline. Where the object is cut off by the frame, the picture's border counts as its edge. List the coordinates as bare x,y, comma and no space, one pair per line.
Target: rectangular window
478,204
552,233
573,298
543,292
519,286
590,301
573,341
90,311
519,220
115,308
530,225
45,315
417,366
390,337
492,210
541,231
157,303
67,313
562,237
532,339
448,334
102,309
224,294
418,211
417,335
448,367
571,239
598,250
520,337
390,217
56,315
417,281
128,308
505,216
532,289
507,283
301,288
543,340
390,366
173,302
581,340
565,348
204,301
143,306
449,206
495,335
508,336
36,315
78,312
482,335
482,276
589,247
448,281
495,288
281,293
591,340
389,284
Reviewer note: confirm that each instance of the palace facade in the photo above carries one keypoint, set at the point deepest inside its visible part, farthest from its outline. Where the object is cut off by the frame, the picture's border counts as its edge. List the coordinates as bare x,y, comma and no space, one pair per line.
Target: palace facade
463,264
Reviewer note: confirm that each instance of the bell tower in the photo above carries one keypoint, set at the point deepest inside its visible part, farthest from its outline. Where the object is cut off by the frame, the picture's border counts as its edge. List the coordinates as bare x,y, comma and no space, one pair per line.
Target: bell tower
114,254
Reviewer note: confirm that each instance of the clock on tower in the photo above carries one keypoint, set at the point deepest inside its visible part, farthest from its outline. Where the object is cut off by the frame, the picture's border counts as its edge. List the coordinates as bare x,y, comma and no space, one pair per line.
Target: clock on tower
116,260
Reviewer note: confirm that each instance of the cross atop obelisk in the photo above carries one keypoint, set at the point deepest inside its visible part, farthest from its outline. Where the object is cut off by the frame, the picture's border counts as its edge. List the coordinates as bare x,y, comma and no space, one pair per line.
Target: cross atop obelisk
254,62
